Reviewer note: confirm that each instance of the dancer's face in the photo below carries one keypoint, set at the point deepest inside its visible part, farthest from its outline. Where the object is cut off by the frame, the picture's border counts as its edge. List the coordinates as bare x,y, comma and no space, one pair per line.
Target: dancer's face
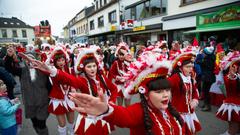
91,69
187,69
160,98
61,62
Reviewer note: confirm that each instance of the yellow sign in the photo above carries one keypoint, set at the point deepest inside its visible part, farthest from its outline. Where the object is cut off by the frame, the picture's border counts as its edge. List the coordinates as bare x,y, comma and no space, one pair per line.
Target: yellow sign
139,28
113,28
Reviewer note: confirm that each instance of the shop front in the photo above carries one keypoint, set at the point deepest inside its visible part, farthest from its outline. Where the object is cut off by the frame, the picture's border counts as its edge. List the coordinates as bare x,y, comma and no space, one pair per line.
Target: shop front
102,38
144,35
224,24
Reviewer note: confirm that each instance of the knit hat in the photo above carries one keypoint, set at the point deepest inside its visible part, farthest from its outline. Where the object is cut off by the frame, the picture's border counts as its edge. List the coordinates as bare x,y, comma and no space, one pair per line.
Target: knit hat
148,67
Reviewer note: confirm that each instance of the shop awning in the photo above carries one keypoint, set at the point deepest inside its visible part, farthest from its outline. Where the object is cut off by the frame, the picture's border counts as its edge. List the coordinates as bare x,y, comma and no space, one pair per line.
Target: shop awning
212,29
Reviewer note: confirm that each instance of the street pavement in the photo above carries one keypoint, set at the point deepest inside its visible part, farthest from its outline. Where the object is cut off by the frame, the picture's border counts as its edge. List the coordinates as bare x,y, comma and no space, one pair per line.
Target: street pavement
210,124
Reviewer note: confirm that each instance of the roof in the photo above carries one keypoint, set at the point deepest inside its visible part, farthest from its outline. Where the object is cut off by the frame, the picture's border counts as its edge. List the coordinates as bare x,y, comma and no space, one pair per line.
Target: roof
13,23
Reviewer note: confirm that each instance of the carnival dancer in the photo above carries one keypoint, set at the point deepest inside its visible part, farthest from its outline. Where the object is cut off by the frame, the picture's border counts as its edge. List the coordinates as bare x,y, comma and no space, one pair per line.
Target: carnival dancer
230,109
154,115
175,50
89,83
46,51
164,49
60,105
184,92
100,56
118,68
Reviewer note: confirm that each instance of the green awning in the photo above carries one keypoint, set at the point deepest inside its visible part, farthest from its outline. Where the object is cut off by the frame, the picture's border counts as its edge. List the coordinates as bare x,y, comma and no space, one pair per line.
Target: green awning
209,29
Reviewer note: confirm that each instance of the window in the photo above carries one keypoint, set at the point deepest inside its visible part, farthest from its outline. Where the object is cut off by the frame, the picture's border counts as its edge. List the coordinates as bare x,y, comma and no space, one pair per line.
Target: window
96,5
112,17
105,2
127,14
100,21
4,33
143,10
24,33
147,9
100,3
140,11
133,13
155,7
14,33
92,25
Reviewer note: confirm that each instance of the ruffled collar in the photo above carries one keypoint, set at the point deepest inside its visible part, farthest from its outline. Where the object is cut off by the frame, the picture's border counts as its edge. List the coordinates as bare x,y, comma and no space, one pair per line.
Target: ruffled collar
186,79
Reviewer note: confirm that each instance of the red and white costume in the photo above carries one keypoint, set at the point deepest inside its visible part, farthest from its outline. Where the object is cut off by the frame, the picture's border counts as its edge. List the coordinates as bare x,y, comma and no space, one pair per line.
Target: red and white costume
118,68
85,125
133,117
181,101
230,109
183,94
59,100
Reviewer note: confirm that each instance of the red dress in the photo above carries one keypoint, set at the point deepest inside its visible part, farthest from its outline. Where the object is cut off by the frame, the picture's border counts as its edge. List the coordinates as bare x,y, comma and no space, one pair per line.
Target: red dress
181,101
83,124
59,100
133,117
230,109
117,69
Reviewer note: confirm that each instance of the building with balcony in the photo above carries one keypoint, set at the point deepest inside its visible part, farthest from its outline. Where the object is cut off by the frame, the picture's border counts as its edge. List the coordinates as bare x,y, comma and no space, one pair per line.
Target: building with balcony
13,30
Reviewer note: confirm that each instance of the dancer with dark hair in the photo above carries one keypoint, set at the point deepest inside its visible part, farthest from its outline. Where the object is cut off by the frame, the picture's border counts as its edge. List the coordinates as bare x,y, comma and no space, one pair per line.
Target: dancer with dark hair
60,105
90,82
229,110
185,94
154,115
118,68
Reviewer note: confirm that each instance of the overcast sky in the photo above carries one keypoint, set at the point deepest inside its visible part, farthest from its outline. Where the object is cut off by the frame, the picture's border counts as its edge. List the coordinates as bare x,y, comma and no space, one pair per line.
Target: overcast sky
57,12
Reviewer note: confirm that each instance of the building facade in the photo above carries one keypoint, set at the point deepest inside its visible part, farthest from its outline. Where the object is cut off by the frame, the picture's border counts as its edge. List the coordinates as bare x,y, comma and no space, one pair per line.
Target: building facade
149,21
145,21
13,30
104,22
183,18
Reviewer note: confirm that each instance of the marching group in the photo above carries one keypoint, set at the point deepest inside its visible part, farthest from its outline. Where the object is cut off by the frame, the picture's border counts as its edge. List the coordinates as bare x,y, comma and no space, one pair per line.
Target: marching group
61,79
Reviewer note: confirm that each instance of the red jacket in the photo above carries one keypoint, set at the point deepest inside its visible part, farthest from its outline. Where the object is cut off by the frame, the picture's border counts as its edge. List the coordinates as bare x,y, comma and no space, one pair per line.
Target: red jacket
82,84
58,89
233,94
116,69
133,117
181,99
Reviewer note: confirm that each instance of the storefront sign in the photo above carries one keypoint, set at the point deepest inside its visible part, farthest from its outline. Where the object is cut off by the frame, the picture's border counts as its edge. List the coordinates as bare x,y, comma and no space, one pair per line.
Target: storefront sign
113,28
139,28
227,16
